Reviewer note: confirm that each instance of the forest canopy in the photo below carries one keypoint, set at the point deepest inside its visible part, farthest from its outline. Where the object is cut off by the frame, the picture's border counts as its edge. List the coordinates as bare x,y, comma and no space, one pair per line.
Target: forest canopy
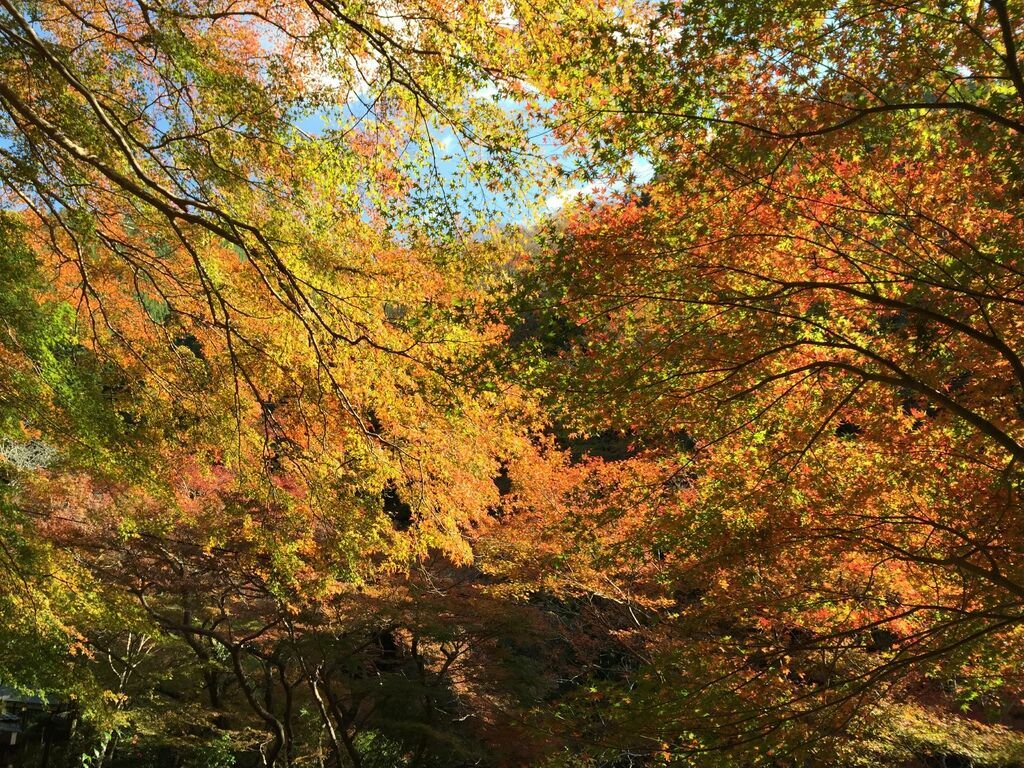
563,384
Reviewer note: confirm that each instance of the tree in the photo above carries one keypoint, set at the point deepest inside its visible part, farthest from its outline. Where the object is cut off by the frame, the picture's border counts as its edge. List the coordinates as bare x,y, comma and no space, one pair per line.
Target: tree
809,320
256,404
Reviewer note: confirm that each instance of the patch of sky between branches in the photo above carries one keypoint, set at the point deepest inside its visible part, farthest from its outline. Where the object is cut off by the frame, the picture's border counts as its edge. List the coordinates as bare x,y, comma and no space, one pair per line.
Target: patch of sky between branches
536,198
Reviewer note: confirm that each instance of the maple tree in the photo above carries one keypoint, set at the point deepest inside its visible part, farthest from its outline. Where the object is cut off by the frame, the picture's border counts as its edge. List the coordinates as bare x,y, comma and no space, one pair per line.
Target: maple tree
808,324
262,287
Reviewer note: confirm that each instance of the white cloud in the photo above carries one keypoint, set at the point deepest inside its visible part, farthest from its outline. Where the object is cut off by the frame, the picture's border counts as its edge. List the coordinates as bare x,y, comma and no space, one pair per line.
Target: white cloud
559,200
485,92
640,168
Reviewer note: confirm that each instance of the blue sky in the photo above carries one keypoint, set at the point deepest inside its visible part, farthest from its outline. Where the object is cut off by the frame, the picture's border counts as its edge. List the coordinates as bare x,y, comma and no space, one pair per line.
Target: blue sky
535,199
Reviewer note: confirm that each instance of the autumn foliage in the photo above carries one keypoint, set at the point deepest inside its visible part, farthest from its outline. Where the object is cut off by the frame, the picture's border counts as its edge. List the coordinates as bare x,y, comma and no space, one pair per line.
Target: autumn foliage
325,442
